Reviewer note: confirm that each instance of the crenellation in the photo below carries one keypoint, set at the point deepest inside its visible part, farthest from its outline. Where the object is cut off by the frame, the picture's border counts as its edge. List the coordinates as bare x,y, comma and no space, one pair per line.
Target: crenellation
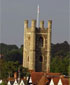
49,25
26,24
41,24
33,25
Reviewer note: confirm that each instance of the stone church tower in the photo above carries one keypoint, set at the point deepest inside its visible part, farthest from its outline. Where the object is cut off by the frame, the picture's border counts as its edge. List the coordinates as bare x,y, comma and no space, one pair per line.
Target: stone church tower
37,46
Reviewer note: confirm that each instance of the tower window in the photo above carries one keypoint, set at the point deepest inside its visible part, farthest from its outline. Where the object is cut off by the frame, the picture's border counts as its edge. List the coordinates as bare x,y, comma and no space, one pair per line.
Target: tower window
40,59
29,38
41,42
28,58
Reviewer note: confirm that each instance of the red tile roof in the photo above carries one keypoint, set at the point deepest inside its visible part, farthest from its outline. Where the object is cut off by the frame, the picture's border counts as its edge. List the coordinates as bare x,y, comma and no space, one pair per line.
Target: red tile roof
36,76
43,81
65,81
53,74
56,80
41,78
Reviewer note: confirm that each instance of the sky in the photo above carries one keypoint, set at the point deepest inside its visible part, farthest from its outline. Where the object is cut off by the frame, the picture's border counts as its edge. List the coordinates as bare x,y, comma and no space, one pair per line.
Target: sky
14,12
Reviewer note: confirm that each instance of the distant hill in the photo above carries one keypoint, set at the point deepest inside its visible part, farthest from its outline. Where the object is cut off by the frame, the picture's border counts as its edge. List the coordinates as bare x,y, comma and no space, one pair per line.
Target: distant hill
4,48
60,49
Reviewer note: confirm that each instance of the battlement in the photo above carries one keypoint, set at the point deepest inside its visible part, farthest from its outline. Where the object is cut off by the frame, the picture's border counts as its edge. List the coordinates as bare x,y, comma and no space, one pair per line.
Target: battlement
49,23
33,24
42,24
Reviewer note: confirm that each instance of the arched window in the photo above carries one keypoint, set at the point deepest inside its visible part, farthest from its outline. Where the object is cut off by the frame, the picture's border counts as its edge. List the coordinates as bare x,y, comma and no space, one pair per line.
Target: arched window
28,58
41,59
41,42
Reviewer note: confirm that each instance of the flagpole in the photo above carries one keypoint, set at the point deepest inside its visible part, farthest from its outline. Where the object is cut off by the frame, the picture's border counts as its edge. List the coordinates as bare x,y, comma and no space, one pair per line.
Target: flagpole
38,16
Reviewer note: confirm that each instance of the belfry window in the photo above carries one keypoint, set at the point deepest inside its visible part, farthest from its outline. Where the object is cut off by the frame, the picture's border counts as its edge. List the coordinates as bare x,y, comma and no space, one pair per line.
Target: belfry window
41,42
40,59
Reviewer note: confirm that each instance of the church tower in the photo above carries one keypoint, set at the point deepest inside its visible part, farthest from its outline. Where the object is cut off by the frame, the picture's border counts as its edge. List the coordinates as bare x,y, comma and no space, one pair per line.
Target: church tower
37,46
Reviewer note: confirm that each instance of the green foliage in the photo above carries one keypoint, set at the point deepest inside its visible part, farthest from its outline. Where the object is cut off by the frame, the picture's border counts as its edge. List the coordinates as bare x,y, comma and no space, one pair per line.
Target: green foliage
21,50
60,58
14,55
60,65
5,49
69,70
24,71
60,49
3,83
8,68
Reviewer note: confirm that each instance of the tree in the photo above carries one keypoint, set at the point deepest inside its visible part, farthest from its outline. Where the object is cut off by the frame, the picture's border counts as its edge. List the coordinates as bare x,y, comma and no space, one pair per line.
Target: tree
60,49
3,83
8,68
14,55
60,65
5,49
24,71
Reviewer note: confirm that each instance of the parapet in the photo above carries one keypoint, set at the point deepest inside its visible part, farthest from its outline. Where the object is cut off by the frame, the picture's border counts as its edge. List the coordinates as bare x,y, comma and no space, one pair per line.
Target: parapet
26,24
49,23
33,24
42,24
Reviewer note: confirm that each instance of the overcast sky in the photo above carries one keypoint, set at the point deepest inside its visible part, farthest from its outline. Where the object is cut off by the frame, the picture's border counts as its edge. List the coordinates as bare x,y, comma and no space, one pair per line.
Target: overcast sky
14,12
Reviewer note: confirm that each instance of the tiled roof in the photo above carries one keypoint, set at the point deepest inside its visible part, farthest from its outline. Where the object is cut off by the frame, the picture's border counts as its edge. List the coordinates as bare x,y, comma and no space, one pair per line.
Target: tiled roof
65,81
41,78
55,80
43,81
54,74
11,79
36,76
